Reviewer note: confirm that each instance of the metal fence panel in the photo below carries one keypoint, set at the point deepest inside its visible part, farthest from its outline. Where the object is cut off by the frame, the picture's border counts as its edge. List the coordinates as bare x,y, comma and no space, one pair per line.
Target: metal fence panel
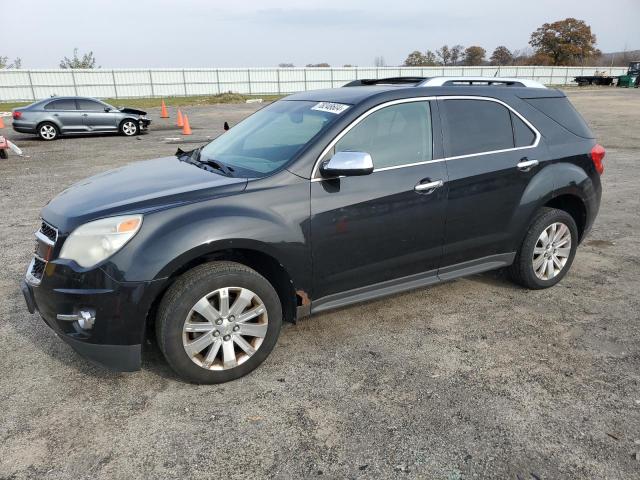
28,85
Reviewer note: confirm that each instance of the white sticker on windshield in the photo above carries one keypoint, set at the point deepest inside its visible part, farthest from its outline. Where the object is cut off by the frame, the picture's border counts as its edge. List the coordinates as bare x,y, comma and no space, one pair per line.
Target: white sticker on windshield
330,107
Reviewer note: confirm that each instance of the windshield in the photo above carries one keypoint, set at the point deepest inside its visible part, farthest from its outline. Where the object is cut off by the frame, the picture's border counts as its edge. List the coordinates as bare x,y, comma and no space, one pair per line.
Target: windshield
270,138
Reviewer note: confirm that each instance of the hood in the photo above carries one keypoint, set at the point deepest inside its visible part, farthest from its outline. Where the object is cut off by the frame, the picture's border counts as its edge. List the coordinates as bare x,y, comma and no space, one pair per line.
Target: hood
139,187
131,111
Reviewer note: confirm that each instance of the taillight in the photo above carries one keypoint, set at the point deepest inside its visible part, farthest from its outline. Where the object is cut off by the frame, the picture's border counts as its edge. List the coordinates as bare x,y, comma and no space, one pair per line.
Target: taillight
597,155
17,114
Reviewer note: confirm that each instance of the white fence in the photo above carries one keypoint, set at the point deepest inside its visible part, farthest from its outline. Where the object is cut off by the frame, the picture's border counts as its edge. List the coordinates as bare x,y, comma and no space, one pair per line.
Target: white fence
129,83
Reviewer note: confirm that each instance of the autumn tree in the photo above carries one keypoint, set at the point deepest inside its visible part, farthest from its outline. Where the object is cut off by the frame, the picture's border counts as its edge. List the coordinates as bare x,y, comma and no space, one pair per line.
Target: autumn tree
419,59
501,56
318,65
474,55
565,42
286,65
455,54
87,60
444,54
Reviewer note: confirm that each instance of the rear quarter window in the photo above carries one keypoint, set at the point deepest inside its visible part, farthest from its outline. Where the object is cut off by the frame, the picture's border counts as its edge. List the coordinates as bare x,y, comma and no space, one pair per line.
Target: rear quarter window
560,110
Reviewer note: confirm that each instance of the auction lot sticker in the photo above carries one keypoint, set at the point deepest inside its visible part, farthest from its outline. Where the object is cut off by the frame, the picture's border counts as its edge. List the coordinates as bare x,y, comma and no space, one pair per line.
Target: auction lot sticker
330,107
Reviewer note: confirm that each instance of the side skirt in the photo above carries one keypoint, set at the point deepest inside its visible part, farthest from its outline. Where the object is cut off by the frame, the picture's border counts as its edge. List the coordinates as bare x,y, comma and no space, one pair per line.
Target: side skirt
411,282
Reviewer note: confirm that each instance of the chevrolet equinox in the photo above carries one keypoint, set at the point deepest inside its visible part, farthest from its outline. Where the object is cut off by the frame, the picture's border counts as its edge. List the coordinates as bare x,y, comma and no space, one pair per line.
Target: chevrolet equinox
319,200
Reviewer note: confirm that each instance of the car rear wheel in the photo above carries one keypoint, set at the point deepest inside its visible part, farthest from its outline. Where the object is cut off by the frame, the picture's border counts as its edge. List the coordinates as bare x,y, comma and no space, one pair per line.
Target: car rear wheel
47,131
218,322
129,128
548,250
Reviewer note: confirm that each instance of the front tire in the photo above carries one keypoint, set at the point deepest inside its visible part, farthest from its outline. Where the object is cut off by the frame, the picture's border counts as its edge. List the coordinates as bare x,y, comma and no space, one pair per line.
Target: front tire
218,322
129,128
548,250
47,131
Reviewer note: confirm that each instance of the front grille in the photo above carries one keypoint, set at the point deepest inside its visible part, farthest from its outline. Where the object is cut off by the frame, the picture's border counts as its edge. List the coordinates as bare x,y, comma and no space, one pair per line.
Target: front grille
46,238
37,268
50,232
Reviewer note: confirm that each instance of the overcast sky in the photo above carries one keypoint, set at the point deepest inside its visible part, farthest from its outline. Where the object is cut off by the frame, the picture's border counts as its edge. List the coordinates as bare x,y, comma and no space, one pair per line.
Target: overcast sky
254,33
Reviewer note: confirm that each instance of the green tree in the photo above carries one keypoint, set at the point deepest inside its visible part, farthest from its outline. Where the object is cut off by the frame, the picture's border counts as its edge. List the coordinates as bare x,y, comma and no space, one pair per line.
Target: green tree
501,56
565,42
86,61
474,55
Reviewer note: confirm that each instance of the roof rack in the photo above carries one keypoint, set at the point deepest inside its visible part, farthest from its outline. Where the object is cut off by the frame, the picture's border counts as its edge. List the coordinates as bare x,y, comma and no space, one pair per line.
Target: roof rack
480,81
449,81
387,81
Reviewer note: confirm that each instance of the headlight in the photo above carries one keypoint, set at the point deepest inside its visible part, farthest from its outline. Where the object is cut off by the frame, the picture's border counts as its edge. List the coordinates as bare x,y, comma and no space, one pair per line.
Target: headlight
96,241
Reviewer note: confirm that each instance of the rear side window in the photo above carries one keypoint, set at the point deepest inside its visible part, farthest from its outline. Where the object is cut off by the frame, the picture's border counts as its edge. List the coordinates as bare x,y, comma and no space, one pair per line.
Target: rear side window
560,110
476,126
393,136
522,135
64,104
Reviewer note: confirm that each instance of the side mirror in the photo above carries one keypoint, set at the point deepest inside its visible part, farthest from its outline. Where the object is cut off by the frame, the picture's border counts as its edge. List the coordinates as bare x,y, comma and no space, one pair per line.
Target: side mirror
107,109
349,164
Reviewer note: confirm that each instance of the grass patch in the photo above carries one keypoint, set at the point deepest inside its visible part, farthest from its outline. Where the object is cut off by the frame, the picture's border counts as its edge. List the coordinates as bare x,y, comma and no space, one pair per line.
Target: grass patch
169,101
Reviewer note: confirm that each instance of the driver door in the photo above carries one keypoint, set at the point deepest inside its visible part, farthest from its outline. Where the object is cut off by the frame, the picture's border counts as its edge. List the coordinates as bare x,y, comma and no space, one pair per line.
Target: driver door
381,227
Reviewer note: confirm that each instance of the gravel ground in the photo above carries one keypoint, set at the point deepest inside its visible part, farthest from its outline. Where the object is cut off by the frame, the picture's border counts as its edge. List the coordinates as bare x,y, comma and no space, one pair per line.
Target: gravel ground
474,378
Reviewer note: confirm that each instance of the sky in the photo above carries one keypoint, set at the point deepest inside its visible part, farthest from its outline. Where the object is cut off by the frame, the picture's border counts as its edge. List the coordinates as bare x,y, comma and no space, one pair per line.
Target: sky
264,33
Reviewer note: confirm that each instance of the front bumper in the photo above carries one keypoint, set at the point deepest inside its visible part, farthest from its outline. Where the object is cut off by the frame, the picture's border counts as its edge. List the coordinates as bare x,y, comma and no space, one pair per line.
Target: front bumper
121,309
144,123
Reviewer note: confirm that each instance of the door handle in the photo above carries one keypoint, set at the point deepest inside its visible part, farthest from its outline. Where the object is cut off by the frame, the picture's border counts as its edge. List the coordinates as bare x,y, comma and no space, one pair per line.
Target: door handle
85,114
526,165
428,187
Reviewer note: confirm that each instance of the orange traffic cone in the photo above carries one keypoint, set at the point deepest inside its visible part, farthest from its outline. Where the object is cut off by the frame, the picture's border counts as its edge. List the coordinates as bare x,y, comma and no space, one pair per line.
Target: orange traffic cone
180,122
1,122
186,129
163,111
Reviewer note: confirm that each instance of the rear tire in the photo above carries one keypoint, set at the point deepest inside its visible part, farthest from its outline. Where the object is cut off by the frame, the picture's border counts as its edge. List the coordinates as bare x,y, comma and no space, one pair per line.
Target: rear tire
547,251
218,322
47,131
129,127
3,154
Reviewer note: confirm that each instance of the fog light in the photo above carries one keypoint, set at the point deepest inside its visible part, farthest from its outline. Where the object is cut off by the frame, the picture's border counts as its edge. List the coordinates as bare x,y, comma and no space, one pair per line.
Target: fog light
86,319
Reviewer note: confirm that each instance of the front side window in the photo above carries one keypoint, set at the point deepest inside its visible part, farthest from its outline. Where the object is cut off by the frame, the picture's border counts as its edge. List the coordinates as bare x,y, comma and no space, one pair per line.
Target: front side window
91,105
393,136
63,104
476,126
270,138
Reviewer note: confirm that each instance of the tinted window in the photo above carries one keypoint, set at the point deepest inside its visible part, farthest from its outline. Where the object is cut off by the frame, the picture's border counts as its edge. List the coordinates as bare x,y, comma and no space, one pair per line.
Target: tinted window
64,104
561,111
522,134
270,138
395,135
90,105
476,126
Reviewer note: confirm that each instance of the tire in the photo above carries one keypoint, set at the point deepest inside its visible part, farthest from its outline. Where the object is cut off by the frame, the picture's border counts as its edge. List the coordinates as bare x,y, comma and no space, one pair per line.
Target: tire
3,154
129,127
48,131
224,355
527,268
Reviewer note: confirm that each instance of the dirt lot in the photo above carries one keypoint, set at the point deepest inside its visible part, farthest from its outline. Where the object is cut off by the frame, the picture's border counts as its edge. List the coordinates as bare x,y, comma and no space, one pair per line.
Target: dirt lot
477,379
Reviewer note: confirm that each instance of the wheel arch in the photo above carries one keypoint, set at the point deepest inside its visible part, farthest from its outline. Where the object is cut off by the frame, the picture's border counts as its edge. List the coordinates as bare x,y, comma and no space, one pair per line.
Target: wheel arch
253,256
57,126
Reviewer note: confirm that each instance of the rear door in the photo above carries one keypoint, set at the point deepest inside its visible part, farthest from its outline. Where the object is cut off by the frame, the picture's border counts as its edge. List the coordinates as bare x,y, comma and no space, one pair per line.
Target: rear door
95,117
492,155
66,114
383,226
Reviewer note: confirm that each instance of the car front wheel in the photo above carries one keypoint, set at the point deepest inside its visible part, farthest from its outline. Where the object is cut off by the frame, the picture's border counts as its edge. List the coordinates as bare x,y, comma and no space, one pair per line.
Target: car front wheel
218,322
129,128
548,250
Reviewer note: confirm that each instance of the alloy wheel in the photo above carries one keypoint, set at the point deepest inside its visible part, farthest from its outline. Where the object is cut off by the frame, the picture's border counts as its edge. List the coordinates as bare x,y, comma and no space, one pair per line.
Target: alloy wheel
129,128
225,328
48,132
552,250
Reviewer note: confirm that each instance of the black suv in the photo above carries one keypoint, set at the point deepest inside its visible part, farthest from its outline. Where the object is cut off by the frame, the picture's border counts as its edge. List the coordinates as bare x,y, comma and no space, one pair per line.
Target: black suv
317,201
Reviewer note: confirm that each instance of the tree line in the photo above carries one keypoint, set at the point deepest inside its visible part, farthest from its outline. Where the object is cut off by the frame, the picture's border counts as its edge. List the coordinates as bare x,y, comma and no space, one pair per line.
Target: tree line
565,42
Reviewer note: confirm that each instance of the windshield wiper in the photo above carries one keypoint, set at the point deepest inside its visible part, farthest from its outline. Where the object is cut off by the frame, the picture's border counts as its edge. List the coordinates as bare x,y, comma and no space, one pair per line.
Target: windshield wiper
195,158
